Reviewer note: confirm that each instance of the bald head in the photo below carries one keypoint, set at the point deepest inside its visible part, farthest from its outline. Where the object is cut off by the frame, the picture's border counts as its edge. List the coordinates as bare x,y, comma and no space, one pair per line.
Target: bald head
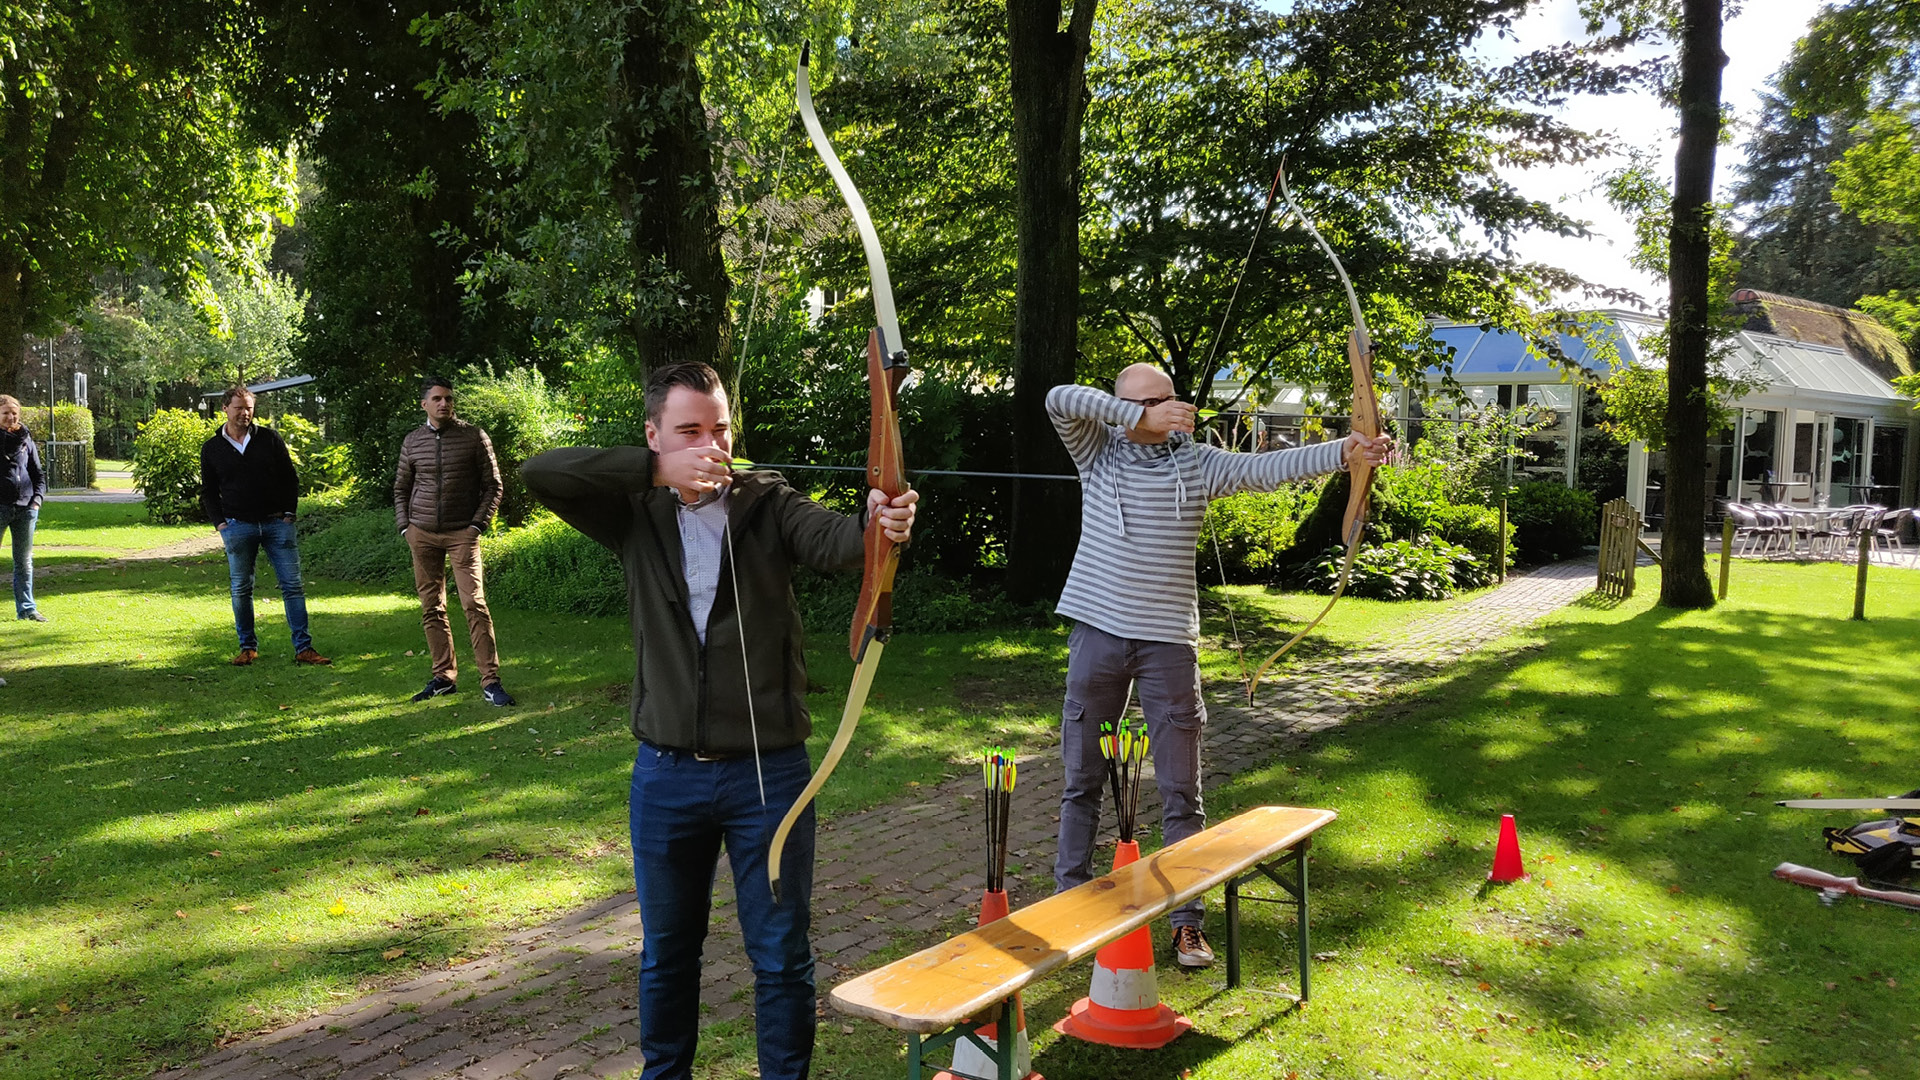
1138,382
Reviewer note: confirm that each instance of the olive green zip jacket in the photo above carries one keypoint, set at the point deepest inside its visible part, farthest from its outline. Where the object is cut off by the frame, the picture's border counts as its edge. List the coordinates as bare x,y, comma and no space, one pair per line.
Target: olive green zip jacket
687,695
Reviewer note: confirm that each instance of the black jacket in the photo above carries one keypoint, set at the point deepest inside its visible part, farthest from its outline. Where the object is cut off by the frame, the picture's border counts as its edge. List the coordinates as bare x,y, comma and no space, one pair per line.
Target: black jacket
687,695
259,485
21,481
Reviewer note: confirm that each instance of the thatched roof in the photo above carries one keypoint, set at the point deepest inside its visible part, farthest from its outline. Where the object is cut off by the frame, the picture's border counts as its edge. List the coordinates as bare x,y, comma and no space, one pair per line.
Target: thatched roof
1858,334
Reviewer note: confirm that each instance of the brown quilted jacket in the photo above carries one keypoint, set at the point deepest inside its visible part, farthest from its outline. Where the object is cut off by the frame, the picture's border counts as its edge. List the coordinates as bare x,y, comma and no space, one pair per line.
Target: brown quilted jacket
448,479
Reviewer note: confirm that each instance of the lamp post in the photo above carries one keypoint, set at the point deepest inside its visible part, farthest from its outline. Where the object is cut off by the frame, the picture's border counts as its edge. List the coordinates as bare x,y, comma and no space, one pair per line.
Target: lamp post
53,436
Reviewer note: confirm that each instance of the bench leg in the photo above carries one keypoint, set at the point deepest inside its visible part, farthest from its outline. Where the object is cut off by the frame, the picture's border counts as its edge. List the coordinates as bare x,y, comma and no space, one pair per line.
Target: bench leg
1233,933
1306,953
913,1056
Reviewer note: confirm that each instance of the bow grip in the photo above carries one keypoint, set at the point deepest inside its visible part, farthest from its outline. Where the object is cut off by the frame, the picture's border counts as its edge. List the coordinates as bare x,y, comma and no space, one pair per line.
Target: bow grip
886,472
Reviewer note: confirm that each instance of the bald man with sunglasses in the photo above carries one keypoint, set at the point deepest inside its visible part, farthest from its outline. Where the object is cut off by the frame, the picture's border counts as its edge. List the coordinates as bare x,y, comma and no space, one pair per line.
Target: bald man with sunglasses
1134,599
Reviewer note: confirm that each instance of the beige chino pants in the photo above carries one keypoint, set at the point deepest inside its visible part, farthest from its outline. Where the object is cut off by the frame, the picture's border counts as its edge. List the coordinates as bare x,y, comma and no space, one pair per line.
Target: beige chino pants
432,552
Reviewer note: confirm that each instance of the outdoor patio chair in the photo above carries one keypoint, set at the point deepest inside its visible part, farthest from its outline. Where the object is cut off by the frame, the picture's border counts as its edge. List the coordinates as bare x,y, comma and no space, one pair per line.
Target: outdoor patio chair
1748,526
1887,530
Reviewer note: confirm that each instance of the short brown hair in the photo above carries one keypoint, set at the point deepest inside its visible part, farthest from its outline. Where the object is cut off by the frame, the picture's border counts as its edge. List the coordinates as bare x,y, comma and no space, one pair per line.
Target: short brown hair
234,392
693,375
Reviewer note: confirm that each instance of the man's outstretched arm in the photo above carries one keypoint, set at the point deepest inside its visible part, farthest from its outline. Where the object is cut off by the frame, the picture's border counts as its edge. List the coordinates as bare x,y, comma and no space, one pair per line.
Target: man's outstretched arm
589,487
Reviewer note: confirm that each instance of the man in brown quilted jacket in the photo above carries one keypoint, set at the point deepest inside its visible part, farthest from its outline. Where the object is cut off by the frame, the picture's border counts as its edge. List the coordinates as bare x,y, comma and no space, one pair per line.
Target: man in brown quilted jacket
445,492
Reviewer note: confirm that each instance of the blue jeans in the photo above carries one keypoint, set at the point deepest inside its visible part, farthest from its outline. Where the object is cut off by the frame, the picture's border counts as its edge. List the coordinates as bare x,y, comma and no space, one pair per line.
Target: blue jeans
1100,670
21,520
682,812
245,540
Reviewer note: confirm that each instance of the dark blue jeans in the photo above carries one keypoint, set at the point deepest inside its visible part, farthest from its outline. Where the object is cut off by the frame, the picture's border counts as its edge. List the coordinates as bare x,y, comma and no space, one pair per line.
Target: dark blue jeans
245,540
682,812
20,520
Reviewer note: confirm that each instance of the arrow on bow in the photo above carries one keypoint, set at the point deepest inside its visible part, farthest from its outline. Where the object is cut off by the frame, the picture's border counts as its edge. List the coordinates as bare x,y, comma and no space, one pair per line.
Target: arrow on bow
886,472
1366,420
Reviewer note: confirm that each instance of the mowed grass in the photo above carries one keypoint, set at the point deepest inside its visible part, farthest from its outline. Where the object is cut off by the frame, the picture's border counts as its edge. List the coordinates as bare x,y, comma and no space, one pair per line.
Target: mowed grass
1640,750
76,532
193,852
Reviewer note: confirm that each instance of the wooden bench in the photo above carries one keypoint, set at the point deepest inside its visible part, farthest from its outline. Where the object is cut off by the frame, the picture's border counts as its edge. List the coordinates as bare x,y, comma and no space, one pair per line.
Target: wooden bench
948,992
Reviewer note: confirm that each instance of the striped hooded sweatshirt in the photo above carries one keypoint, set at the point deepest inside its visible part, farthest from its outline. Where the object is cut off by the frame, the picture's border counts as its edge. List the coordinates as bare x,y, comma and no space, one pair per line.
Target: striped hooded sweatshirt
1141,509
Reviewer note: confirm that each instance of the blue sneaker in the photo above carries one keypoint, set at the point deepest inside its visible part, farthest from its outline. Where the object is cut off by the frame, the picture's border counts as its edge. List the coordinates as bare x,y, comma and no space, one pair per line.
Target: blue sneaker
435,687
497,695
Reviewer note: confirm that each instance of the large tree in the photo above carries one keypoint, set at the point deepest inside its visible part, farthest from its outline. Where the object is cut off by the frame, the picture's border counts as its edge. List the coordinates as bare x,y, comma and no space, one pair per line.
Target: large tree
1683,564
1047,47
119,143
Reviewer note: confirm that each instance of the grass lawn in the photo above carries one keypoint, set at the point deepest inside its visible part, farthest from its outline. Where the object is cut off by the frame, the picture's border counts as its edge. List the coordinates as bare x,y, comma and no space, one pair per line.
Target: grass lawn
195,852
1640,750
78,532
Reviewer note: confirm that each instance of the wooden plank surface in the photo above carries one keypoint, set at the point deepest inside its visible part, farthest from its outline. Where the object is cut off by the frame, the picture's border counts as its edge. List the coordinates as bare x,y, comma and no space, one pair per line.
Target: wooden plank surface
936,988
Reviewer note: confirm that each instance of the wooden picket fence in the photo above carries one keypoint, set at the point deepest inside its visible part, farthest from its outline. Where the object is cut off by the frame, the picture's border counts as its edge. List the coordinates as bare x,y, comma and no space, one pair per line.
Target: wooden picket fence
1619,548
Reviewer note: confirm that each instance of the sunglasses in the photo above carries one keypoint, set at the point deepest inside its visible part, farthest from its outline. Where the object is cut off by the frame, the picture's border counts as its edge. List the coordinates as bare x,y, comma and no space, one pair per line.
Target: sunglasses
1148,403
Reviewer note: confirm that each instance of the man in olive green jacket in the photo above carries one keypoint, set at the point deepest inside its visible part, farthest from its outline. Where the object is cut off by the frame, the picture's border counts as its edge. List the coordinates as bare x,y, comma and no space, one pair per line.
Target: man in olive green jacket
444,493
719,698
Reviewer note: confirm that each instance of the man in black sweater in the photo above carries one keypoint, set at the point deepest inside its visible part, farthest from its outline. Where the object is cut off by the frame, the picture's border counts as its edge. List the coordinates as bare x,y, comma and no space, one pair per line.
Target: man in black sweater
249,491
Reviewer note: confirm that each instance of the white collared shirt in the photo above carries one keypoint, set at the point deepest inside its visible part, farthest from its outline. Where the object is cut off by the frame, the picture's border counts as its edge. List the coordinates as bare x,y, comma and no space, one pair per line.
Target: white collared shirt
239,444
703,531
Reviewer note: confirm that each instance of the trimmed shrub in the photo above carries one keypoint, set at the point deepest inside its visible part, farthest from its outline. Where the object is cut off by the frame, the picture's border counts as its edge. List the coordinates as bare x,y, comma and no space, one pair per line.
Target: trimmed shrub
547,565
166,464
1551,520
1476,528
1426,568
67,465
1253,528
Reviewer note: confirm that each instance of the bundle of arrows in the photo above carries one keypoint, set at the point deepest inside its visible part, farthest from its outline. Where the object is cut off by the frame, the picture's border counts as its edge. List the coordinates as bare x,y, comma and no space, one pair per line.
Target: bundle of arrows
999,770
1126,752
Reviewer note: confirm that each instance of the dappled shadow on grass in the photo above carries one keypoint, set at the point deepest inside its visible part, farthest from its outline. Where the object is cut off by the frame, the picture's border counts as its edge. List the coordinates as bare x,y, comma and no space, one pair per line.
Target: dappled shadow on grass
1641,755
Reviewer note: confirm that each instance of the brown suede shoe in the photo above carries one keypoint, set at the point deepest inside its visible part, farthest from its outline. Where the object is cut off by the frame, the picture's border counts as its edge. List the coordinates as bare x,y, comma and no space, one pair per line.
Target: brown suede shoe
244,658
308,656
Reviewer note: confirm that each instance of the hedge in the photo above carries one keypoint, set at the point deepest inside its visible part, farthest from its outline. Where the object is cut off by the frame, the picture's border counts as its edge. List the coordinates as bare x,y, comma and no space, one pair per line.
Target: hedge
65,463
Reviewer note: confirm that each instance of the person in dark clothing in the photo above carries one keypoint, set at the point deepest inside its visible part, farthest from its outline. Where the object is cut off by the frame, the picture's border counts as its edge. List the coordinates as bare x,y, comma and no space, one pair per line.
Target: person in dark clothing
23,487
445,490
248,489
719,698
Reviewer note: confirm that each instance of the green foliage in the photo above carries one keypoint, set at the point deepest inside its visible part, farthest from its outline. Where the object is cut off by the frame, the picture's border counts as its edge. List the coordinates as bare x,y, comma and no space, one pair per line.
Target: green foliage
71,466
1253,528
523,416
125,143
922,604
166,464
1425,568
1466,461
1551,521
360,546
224,327
319,465
547,565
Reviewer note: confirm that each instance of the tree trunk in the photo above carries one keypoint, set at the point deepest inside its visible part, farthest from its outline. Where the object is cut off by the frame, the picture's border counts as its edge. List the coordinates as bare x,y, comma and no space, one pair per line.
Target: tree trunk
1048,63
664,182
1683,572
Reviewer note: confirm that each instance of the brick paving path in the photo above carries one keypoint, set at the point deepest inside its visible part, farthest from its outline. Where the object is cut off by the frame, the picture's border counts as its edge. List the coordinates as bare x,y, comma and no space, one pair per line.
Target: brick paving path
557,1000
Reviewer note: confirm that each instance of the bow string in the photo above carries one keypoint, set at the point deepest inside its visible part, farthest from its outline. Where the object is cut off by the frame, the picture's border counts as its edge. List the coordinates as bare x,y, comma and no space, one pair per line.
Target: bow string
1366,420
886,472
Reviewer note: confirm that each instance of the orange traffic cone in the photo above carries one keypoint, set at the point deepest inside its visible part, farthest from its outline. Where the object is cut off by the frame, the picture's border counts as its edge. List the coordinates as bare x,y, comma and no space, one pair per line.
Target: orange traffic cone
1124,1007
1506,855
968,1059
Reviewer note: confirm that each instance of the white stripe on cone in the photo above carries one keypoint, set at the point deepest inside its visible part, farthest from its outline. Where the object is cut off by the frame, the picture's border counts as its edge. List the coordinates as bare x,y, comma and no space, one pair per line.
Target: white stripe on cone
970,1060
1125,988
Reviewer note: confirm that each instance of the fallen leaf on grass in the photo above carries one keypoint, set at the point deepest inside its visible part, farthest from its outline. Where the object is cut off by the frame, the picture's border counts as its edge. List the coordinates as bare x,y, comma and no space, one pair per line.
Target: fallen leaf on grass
422,812
64,1007
393,954
242,909
1715,1007
338,909
178,914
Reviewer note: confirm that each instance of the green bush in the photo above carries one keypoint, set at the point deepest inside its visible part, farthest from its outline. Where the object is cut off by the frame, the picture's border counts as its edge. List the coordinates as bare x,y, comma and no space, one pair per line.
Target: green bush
70,464
923,603
355,545
1476,528
320,465
523,417
1413,501
1551,521
166,464
1252,529
1426,568
547,565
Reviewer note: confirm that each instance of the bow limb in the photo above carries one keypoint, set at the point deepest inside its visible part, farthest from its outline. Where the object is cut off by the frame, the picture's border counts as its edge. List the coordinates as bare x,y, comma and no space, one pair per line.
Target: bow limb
1366,421
886,472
